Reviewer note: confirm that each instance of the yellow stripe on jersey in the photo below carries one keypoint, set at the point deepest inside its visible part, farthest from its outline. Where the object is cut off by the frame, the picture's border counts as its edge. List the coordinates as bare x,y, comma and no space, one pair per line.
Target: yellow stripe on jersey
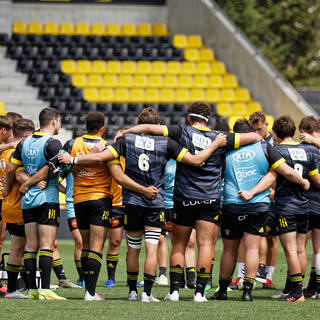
202,128
181,154
60,179
313,172
277,163
20,168
16,161
236,140
165,131
113,151
87,136
39,133
115,161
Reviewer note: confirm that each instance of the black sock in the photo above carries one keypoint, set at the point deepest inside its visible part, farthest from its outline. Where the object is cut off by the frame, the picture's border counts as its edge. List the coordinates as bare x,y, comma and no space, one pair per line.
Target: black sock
190,274
45,266
176,274
248,284
24,276
162,271
30,264
112,261
148,283
132,280
12,271
58,269
94,265
79,269
312,279
224,284
318,283
202,280
296,281
211,269
288,286
84,260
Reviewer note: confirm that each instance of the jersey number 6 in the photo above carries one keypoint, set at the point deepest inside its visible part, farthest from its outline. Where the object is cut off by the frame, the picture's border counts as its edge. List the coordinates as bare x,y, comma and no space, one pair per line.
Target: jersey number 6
143,162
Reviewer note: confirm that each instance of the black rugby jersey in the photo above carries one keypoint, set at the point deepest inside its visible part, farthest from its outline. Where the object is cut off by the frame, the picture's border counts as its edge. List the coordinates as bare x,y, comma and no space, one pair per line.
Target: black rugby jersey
290,198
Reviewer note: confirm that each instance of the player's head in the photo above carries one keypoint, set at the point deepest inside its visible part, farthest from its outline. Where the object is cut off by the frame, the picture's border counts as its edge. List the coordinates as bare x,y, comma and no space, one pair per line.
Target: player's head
5,129
309,125
148,115
198,111
95,123
259,123
283,127
242,126
50,117
13,116
22,128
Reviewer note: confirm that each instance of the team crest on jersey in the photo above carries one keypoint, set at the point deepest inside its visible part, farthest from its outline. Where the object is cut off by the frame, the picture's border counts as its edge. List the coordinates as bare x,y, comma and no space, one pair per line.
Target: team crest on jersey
243,155
200,141
298,154
144,143
31,152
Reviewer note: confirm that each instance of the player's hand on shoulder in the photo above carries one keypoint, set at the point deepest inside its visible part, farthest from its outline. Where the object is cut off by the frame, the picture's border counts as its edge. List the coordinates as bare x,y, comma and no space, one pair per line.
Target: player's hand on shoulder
98,147
118,136
64,158
151,192
245,195
221,139
305,137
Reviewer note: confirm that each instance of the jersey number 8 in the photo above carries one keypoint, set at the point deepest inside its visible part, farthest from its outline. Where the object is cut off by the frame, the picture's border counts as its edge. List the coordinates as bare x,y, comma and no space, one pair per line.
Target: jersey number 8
143,162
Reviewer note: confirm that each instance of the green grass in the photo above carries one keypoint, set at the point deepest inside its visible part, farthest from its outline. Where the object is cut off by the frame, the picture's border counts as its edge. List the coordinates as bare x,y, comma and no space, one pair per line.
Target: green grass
117,307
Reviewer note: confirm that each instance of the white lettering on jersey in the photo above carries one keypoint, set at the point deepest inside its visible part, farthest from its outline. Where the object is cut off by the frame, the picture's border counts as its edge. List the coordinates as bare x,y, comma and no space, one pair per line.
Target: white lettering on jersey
144,143
298,154
243,155
245,173
200,141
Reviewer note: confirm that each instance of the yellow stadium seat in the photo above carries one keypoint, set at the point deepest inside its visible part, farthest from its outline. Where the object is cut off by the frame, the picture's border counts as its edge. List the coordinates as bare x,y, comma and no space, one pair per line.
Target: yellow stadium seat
173,67
270,121
98,29
140,81
19,27
180,41
159,67
191,54
84,66
185,81
129,67
168,95
122,95
242,95
144,67
82,29
125,81
99,66
114,66
224,109
170,81
110,81
218,68
203,68
144,29
253,107
215,82
227,95
197,95
68,66
212,95
51,28
160,29
188,68
155,81
35,27
232,121
230,81
240,109
2,109
152,95
95,80
66,28
79,80
129,29
114,29
137,95
200,82
91,94
107,95
206,54
194,41
183,96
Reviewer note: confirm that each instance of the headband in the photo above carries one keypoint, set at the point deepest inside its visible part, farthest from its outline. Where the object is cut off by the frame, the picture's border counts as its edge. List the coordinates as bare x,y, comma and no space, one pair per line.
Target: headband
198,116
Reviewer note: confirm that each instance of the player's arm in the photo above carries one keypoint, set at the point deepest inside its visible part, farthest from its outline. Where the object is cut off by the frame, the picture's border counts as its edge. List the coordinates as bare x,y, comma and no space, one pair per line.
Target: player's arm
10,177
153,129
121,178
10,145
247,138
305,137
315,177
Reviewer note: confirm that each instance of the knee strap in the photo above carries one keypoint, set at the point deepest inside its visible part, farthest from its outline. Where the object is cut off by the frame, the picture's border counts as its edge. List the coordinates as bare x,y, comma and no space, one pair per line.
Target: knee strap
134,243
152,236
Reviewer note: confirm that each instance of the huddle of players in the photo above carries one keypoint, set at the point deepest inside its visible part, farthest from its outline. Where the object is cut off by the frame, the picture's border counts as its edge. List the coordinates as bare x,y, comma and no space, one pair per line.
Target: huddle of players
197,196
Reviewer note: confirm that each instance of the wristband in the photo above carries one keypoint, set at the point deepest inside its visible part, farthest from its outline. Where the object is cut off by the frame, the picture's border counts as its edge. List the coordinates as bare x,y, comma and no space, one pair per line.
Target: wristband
75,160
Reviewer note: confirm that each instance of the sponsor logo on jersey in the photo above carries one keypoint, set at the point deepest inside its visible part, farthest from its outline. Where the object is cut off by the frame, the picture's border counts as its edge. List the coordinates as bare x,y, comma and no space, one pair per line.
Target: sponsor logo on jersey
200,141
245,173
243,155
31,170
298,154
144,143
31,152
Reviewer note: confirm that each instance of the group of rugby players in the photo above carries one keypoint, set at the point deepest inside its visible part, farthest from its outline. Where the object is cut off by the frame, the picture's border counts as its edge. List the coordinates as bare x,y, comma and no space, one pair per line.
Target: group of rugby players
251,184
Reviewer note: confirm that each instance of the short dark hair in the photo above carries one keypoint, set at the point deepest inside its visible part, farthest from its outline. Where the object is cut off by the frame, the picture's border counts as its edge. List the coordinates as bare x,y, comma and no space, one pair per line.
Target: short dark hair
5,123
257,116
284,127
242,125
309,124
148,116
46,115
222,125
201,108
13,116
94,121
20,126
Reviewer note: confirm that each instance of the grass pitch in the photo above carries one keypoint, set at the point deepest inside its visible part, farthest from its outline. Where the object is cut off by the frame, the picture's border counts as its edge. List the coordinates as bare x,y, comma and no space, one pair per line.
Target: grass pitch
117,307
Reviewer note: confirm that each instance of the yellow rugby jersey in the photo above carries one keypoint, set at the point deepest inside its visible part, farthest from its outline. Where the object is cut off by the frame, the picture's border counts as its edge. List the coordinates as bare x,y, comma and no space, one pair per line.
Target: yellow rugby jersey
116,189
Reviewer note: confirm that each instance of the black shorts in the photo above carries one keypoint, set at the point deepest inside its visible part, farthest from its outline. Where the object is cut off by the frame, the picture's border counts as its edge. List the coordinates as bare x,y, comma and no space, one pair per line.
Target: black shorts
16,229
47,213
314,222
291,223
271,222
136,217
186,213
93,212
233,225
116,219
72,223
